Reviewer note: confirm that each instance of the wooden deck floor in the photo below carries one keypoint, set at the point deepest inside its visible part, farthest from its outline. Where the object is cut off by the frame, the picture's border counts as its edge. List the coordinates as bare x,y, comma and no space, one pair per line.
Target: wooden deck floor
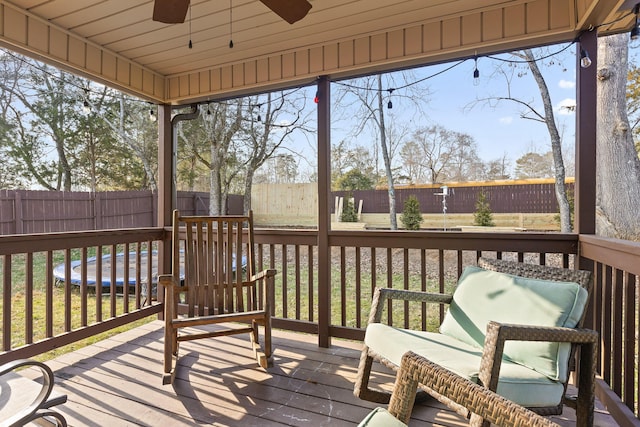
117,382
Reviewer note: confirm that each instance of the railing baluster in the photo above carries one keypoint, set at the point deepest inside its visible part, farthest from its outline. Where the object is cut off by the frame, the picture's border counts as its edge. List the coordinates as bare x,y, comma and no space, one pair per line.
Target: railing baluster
285,281
125,280
84,302
629,344
441,287
67,291
343,287
113,280
7,297
150,277
49,295
405,282
423,287
616,343
98,285
389,284
310,278
607,324
297,279
28,299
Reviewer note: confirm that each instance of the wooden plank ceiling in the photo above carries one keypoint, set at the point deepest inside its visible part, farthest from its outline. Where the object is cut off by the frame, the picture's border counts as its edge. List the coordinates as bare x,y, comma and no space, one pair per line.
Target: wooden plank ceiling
117,43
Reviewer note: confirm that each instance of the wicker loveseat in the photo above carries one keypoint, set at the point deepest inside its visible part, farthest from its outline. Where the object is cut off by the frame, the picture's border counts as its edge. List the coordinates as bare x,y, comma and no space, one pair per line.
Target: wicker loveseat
510,326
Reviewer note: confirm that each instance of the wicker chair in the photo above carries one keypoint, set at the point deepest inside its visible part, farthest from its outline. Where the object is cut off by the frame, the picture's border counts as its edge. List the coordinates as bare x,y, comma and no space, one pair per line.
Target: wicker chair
490,357
415,370
217,285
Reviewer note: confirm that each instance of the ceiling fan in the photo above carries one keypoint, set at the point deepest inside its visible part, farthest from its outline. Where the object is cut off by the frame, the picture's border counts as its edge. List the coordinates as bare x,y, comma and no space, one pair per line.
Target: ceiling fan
175,11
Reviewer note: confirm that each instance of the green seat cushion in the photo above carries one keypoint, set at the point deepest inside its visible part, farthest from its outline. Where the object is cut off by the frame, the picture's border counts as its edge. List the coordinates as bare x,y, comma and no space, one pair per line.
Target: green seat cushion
380,417
517,383
483,295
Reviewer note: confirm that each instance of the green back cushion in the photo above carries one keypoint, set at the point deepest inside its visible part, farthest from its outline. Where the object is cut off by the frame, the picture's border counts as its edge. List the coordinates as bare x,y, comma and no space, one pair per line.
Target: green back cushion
482,296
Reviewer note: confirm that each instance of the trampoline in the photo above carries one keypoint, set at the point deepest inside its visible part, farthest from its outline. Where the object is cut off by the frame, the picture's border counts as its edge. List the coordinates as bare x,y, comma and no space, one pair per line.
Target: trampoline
76,269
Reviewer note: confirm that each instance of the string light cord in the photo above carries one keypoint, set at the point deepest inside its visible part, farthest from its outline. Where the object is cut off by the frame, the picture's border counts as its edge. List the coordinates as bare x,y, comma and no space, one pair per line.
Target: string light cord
391,89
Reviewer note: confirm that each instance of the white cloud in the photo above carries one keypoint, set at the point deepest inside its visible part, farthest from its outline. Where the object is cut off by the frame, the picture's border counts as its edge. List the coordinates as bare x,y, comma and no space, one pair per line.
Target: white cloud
566,84
506,120
566,107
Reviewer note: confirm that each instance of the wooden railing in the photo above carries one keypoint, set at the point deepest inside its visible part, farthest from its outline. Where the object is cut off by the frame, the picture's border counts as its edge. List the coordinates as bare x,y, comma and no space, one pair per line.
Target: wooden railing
40,312
614,312
363,260
359,261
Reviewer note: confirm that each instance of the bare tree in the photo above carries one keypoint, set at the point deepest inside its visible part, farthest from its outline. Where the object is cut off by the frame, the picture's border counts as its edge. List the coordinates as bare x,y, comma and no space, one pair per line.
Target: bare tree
282,116
618,167
370,98
444,155
231,140
545,116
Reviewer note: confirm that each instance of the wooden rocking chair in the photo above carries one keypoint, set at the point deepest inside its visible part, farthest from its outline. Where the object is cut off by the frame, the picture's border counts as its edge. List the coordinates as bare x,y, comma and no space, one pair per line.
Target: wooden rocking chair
213,281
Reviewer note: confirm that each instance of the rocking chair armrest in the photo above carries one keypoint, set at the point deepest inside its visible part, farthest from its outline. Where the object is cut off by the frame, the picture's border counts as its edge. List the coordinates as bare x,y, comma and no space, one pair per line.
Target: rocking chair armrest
499,333
168,280
263,275
380,295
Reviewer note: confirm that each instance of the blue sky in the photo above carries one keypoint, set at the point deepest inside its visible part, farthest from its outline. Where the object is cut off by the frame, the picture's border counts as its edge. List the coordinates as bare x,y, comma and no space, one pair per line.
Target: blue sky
498,130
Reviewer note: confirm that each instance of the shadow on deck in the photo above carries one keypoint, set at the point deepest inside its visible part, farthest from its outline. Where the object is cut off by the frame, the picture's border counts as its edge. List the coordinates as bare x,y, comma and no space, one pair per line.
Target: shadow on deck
118,382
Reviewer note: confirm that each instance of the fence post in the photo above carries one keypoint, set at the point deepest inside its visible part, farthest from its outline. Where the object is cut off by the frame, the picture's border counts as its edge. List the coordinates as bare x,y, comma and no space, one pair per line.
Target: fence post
17,209
97,210
154,208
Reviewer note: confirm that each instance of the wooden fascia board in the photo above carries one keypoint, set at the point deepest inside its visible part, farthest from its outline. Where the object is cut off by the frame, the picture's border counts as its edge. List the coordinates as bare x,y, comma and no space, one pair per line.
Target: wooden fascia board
398,46
37,38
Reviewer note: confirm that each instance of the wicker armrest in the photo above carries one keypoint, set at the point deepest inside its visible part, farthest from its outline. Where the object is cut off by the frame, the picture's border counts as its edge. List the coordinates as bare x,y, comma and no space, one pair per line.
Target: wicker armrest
381,295
479,400
587,339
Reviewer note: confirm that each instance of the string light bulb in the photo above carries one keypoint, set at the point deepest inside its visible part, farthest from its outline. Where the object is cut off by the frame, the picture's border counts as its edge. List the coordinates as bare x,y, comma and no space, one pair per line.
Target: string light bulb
390,104
152,116
635,31
190,42
230,24
86,108
476,73
585,61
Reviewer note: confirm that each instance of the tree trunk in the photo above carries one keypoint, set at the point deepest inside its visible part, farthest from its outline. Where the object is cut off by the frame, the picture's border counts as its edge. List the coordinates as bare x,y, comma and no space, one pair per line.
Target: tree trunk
618,166
215,191
393,221
556,145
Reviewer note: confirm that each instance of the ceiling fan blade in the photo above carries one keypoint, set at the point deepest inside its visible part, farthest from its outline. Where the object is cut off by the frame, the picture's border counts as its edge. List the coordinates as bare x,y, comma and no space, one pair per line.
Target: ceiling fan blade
170,11
289,10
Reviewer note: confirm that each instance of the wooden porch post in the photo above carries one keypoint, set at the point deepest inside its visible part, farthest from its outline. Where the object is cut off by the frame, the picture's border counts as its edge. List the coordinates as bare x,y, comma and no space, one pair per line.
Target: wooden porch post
324,216
585,186
165,182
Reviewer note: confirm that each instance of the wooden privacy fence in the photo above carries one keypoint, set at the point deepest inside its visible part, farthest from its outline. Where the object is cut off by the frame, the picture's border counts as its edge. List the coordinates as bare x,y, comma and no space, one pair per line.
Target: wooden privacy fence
27,211
537,196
